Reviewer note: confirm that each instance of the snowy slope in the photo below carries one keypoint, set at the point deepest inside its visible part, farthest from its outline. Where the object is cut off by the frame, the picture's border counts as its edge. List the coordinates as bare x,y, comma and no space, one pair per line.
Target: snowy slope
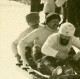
12,22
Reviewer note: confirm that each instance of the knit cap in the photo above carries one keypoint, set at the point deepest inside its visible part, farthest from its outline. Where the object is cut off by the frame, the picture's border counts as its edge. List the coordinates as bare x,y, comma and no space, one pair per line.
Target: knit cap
33,16
67,29
51,16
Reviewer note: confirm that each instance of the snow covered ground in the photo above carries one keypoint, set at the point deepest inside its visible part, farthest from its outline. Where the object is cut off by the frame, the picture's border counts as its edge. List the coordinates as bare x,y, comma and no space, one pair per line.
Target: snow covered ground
12,23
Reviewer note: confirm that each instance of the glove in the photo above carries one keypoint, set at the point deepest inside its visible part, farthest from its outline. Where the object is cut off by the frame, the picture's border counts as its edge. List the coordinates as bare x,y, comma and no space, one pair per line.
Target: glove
57,71
25,67
76,56
18,58
36,42
62,56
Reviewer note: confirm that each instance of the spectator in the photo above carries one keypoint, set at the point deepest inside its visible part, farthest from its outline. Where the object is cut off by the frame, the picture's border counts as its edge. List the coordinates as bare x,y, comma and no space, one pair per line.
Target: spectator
35,5
71,12
57,47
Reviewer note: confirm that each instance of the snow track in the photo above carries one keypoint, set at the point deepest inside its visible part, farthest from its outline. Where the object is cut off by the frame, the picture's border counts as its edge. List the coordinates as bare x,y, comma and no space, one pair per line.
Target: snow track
12,23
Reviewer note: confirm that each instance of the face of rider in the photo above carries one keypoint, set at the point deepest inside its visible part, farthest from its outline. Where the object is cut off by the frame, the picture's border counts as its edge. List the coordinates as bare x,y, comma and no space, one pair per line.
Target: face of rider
53,24
64,40
34,24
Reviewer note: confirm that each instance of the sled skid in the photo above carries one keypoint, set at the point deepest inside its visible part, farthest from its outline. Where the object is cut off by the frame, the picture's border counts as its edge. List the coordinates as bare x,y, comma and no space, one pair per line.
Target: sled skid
46,76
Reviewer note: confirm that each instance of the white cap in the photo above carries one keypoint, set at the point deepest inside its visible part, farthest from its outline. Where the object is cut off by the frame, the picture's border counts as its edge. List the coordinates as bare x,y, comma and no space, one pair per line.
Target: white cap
67,29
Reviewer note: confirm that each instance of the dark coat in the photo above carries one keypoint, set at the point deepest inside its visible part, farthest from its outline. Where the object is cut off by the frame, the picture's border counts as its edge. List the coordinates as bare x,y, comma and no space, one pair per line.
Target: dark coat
35,5
73,14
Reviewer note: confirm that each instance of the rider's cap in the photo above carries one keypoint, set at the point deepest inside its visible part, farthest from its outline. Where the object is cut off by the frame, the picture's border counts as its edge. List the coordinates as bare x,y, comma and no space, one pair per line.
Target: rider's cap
31,17
51,16
67,29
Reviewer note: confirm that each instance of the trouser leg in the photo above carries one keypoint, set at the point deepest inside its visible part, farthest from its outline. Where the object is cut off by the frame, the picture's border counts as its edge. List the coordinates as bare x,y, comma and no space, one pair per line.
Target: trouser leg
28,52
58,10
78,63
49,62
29,57
36,53
52,64
74,65
64,14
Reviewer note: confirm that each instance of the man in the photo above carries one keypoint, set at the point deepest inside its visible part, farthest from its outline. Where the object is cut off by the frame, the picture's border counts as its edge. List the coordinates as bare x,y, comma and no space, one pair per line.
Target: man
74,14
38,36
63,4
49,7
58,45
71,12
33,22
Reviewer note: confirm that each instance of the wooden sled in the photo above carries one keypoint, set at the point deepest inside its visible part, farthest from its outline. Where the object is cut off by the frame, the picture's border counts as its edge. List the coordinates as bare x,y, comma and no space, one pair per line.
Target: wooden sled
42,76
39,75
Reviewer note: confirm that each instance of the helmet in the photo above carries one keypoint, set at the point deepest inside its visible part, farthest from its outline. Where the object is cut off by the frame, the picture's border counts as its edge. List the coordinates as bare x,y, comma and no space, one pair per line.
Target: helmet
67,29
51,16
32,17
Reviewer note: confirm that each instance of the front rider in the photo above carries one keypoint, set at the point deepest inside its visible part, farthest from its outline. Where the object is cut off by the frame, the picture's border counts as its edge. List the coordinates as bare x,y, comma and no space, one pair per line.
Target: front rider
58,45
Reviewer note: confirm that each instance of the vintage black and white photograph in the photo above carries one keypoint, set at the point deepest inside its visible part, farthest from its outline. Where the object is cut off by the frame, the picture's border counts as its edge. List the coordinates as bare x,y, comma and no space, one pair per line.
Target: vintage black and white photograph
39,39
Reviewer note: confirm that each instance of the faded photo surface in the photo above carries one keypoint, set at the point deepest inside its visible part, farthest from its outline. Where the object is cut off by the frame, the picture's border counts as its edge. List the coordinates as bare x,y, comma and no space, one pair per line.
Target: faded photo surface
13,22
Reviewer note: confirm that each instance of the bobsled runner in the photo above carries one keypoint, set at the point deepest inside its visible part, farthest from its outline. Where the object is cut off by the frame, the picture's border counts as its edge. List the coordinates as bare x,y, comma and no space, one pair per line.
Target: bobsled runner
39,75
